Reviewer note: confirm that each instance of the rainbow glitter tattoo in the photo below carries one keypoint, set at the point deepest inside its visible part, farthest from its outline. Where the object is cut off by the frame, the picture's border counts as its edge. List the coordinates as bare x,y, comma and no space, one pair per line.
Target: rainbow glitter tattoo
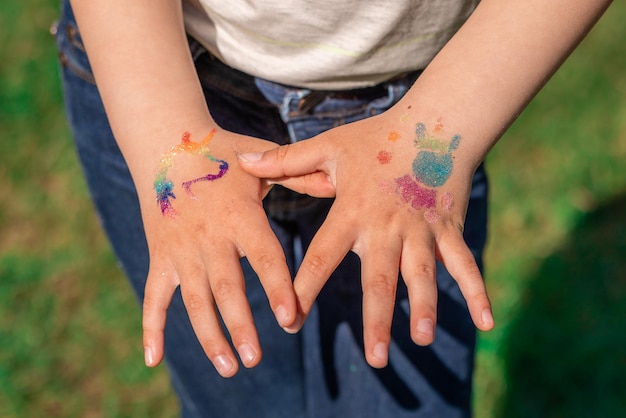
164,187
431,169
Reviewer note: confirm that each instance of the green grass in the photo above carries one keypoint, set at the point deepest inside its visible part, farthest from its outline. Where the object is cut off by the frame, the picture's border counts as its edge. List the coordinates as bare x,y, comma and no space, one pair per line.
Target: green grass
70,330
70,336
561,164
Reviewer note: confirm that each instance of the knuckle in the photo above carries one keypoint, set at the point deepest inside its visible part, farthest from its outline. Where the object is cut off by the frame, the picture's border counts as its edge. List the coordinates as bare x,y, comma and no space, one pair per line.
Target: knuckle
213,347
223,290
381,285
380,330
150,303
425,270
265,263
194,303
238,331
471,269
479,294
315,265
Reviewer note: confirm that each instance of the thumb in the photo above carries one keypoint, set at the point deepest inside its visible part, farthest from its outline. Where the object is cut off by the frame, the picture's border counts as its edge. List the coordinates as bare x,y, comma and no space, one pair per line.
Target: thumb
292,160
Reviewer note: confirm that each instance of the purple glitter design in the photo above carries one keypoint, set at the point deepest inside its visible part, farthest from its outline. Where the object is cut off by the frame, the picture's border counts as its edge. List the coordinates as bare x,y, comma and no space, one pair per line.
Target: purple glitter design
208,177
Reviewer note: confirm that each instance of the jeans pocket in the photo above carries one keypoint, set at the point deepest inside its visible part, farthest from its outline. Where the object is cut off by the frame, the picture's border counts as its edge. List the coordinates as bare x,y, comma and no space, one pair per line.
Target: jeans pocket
72,54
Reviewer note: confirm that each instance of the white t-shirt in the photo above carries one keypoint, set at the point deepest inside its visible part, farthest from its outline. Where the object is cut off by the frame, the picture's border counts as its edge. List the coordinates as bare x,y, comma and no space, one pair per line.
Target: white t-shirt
325,44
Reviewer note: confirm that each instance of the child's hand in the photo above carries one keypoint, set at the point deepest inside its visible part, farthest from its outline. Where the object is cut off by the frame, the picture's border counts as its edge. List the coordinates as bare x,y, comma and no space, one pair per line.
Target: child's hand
401,191
202,216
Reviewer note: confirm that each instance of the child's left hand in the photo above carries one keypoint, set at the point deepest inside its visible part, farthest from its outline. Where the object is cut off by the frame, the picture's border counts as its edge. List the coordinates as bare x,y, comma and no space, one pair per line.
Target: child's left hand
401,191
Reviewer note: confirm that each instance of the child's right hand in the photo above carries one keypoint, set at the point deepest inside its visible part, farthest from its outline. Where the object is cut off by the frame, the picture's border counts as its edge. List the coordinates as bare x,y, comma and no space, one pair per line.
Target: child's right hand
204,215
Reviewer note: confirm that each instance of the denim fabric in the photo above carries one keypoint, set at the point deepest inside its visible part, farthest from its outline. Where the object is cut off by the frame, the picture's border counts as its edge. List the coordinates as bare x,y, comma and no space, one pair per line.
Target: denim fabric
321,372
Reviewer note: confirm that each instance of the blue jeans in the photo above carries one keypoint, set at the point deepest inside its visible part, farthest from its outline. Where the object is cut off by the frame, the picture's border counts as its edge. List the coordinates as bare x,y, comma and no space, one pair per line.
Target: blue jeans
320,372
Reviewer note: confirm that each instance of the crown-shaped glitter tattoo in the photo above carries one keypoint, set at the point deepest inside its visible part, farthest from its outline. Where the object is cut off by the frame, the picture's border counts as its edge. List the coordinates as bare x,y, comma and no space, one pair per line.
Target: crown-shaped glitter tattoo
433,164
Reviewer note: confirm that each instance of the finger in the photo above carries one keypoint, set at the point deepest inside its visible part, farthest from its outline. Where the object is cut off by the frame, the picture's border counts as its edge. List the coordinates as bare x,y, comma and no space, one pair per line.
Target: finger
317,184
418,271
228,288
329,246
379,272
289,160
200,307
460,262
160,287
266,256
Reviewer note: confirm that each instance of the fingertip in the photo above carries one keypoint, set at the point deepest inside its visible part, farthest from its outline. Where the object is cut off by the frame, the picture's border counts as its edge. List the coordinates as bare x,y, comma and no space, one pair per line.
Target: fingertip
379,357
290,320
152,353
248,354
225,365
152,340
149,357
487,321
282,316
250,158
424,332
296,326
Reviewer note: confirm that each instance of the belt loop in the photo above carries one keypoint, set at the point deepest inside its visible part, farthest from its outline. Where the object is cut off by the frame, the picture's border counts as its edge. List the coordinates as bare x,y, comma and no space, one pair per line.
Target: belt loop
195,48
308,102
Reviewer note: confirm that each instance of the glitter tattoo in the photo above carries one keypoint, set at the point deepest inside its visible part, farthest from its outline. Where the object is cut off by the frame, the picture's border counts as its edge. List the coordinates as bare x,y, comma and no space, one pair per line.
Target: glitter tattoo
393,136
431,169
384,157
164,187
433,163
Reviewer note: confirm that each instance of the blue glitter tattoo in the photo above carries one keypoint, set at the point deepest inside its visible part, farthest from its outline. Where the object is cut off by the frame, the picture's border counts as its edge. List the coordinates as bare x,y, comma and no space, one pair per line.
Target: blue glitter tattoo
433,164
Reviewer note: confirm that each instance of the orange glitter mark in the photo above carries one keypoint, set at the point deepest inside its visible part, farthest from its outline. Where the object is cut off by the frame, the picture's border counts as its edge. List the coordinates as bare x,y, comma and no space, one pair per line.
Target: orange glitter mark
393,136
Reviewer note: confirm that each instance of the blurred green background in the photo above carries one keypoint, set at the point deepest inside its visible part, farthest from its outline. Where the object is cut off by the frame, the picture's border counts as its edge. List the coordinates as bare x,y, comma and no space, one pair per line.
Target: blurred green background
70,336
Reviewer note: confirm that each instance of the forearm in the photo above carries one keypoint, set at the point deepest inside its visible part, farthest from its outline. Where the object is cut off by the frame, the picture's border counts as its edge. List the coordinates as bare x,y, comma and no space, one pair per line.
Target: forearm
495,64
146,77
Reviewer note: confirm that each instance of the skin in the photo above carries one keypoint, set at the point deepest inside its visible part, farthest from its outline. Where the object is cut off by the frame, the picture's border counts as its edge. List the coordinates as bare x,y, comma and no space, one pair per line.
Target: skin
475,87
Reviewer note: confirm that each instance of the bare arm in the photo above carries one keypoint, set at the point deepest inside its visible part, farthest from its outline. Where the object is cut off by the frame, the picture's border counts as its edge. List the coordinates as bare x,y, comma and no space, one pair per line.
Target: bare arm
200,213
410,168
486,75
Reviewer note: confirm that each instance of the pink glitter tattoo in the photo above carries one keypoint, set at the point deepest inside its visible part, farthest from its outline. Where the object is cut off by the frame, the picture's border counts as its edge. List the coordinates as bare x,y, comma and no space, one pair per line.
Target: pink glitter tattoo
447,201
414,194
431,216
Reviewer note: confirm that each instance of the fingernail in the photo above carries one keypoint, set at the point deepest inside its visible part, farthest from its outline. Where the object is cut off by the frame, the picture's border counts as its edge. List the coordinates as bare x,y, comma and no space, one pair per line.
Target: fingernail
247,354
250,157
380,352
487,318
148,355
223,365
295,327
425,327
282,316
